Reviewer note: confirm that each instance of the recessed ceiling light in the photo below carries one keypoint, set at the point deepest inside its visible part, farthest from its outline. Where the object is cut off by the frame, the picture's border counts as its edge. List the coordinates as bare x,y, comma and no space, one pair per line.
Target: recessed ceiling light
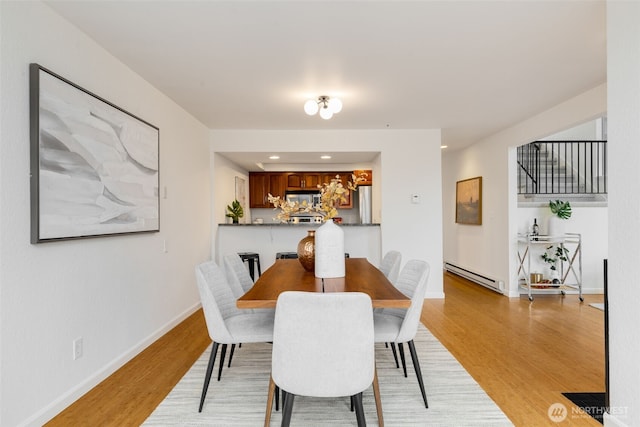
443,146
274,157
325,157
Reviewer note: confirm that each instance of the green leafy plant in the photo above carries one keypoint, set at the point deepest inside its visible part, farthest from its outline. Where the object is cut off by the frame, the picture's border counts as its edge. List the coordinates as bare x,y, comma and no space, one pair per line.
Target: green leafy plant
235,211
561,209
553,256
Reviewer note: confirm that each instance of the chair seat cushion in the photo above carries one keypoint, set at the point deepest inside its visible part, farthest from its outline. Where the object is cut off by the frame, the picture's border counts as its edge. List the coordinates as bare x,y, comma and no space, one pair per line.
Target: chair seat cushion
251,327
386,327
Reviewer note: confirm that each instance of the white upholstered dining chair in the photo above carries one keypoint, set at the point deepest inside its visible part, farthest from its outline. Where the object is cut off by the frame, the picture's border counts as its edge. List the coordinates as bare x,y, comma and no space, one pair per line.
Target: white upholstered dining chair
390,265
396,325
226,323
237,274
323,347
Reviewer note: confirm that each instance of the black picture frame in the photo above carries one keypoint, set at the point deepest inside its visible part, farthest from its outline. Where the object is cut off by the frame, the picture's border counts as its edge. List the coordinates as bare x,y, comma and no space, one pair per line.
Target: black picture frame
94,166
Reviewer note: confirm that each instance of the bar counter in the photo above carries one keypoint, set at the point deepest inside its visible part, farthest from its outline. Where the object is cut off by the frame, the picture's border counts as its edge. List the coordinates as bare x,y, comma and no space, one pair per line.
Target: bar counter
360,240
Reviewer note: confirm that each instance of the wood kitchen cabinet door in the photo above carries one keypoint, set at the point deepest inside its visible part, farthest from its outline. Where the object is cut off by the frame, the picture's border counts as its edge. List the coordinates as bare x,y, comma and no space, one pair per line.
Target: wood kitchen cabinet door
366,174
345,178
258,189
263,183
302,181
277,186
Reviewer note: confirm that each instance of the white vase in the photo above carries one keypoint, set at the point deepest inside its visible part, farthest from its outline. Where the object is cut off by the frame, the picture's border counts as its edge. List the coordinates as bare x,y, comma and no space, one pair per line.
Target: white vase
556,227
329,251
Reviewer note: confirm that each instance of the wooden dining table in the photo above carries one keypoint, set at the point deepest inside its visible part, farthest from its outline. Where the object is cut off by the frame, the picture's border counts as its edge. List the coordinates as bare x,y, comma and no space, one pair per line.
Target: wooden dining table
289,275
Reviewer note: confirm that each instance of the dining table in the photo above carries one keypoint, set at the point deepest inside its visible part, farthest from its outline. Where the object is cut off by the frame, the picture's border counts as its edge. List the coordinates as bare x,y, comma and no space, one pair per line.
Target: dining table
290,275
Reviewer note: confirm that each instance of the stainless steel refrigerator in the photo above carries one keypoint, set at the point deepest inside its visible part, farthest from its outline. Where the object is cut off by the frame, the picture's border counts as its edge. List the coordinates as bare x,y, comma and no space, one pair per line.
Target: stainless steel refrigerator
364,201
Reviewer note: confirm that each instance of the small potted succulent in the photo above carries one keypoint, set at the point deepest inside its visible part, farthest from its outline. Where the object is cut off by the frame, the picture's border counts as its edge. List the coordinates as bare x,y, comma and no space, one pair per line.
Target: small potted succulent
235,211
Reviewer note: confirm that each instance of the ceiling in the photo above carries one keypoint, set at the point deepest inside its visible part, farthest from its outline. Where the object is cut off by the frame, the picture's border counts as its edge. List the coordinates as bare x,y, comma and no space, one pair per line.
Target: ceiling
471,68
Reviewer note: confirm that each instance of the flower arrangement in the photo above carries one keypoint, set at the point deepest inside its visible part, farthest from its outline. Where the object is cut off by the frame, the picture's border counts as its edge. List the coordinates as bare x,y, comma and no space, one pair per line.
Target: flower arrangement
331,195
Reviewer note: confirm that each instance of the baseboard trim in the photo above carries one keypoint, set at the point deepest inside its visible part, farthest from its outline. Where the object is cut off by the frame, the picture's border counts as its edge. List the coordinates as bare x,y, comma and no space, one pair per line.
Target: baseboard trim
61,403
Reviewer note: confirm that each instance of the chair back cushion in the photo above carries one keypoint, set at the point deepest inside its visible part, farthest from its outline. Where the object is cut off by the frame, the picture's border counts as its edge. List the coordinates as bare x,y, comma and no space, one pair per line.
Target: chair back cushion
412,282
323,343
237,274
390,265
218,302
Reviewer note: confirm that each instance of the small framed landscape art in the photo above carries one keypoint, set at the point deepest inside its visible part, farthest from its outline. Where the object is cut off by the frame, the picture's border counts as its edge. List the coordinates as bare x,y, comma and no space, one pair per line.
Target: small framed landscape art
94,166
469,201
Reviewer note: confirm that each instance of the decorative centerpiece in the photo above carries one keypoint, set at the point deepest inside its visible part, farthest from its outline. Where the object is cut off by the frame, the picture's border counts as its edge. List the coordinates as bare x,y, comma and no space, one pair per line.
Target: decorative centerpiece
328,249
306,251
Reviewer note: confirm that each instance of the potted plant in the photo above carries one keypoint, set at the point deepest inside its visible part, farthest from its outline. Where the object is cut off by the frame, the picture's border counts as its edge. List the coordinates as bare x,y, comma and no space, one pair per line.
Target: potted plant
235,211
560,211
552,255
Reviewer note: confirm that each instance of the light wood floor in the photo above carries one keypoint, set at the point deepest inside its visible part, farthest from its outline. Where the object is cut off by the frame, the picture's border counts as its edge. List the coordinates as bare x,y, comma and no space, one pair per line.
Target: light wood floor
524,355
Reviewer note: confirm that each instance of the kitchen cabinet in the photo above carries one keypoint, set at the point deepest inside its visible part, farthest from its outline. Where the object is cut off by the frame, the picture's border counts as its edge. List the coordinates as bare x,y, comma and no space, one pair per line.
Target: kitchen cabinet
263,183
345,178
297,181
368,178
278,183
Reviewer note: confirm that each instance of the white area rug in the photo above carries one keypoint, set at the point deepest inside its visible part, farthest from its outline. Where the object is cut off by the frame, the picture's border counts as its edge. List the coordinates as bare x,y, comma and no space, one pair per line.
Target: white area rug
239,399
598,305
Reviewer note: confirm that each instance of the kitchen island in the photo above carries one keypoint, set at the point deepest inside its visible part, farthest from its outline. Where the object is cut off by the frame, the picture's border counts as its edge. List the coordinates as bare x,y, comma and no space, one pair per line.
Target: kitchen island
360,240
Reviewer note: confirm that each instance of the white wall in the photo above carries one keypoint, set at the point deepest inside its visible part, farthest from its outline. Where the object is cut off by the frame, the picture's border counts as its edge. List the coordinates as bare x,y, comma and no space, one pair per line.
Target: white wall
491,249
409,164
623,71
118,293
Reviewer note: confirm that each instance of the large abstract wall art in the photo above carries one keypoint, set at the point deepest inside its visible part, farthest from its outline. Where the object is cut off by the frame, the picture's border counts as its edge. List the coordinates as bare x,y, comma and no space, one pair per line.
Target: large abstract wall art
94,167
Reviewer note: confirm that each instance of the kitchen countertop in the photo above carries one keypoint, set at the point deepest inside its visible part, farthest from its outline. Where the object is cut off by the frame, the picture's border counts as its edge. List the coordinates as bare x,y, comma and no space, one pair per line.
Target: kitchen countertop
306,224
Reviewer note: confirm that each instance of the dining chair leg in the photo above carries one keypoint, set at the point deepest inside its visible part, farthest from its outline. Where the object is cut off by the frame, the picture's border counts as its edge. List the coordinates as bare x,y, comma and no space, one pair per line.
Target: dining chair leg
223,352
352,404
376,396
277,397
272,390
287,407
359,410
395,355
416,367
233,347
404,364
207,377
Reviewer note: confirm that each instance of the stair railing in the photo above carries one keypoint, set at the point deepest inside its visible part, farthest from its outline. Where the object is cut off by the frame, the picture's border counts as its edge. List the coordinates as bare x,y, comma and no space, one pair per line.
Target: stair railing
562,167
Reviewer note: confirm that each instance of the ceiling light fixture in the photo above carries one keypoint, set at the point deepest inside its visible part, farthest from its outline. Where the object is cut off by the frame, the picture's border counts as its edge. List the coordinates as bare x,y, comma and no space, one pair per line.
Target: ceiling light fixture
274,157
325,157
326,105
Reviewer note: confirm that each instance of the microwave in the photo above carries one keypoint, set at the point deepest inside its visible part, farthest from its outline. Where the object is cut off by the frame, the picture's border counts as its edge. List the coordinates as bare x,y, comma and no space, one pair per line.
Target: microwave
312,199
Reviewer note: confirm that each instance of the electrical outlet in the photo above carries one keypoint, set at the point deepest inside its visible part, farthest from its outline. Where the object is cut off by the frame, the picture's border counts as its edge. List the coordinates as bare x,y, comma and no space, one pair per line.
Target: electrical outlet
77,348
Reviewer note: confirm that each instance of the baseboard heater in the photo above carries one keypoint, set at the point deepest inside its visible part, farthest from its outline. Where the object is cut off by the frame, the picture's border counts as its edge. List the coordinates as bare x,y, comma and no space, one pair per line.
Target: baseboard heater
488,282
